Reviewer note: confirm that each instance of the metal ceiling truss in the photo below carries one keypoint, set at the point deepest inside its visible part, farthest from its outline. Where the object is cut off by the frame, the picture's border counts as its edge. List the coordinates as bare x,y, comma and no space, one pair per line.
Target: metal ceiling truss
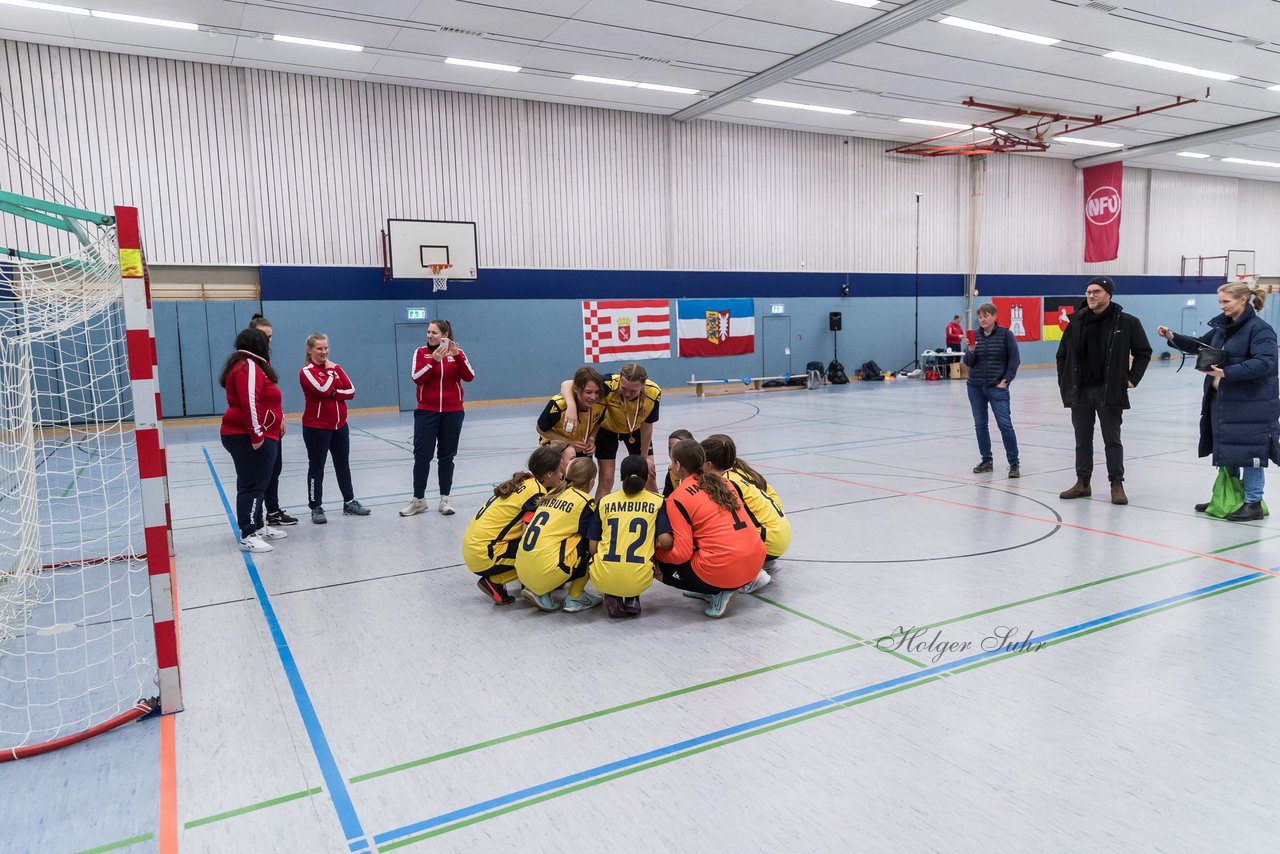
1007,140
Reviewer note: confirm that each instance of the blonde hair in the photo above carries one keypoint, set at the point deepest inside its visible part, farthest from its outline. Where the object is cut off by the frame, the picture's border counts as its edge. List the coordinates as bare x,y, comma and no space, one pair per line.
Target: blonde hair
1240,290
311,342
580,473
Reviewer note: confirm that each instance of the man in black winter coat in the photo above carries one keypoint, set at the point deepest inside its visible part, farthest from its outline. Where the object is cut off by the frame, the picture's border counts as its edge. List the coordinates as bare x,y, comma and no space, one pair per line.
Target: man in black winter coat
1103,353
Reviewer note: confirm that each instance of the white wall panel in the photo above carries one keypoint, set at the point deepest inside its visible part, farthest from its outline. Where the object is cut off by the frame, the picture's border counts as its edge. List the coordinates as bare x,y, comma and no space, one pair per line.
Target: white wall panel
248,166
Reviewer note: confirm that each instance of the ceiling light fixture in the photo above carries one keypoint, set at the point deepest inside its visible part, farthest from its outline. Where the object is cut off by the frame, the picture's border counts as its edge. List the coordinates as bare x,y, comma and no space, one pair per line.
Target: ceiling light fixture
951,125
1195,154
475,63
1168,66
864,3
1275,88
1244,162
998,31
1078,141
46,7
317,43
632,84
769,102
658,87
138,19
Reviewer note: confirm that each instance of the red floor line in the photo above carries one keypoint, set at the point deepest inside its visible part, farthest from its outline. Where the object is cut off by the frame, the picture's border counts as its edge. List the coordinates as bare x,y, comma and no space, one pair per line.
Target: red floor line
1014,515
168,835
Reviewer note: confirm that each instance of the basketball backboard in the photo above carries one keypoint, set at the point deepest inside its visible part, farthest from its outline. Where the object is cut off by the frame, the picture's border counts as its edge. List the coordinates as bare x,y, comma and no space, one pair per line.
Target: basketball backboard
416,244
1239,264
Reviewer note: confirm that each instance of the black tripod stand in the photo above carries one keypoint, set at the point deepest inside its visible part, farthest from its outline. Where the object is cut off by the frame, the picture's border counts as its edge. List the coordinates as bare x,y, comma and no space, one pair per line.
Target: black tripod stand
915,353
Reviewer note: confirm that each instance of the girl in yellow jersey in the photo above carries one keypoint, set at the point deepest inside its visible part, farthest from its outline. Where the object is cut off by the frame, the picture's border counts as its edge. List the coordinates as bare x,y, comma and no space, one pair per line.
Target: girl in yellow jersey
622,540
762,504
492,538
554,548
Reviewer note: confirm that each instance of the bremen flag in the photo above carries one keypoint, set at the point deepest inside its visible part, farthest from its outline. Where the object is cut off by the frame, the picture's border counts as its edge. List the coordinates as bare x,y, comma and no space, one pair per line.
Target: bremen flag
723,327
626,330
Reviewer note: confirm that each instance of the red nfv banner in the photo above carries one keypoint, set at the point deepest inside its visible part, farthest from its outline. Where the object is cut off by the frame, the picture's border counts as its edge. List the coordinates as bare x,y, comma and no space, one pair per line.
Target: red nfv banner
1102,201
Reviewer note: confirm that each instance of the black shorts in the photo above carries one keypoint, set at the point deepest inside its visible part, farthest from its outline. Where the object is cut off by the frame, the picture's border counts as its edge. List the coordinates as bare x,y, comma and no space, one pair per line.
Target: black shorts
607,444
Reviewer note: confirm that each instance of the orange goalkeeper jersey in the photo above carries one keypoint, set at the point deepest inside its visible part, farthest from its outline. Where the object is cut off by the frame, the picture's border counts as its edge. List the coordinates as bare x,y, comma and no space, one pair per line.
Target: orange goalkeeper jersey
723,546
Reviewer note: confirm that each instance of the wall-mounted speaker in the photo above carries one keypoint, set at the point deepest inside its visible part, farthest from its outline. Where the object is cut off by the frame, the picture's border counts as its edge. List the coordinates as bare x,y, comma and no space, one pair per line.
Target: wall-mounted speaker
835,321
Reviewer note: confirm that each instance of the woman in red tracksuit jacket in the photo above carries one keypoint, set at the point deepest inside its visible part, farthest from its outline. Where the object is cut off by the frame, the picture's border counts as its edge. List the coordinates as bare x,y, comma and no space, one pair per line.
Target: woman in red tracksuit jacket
326,390
439,370
251,429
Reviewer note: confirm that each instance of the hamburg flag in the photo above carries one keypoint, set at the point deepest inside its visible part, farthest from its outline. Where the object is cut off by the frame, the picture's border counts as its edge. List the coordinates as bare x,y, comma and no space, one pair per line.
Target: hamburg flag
624,330
1057,313
709,327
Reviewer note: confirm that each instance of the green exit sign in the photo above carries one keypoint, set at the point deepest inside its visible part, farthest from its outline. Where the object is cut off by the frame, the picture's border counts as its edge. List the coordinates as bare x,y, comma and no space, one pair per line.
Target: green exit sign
417,313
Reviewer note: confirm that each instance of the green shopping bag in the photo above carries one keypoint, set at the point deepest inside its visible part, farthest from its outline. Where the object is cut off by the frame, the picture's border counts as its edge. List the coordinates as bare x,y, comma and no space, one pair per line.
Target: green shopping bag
1228,496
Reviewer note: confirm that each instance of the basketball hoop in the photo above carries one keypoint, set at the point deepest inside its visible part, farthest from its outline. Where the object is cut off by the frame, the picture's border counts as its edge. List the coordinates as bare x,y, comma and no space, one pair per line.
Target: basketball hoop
439,276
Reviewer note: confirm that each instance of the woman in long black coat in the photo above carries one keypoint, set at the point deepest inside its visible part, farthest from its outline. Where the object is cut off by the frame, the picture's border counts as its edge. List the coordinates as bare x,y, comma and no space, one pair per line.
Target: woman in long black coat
1238,416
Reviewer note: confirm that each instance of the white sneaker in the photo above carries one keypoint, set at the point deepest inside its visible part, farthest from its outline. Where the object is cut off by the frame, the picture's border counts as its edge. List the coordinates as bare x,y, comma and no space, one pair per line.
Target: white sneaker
761,580
446,506
414,507
271,533
254,543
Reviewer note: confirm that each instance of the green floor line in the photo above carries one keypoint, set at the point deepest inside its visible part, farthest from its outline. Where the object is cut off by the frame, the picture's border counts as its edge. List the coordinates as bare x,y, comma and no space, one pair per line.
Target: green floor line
586,784
427,760
261,805
577,787
74,478
727,679
837,630
1121,622
1075,588
116,846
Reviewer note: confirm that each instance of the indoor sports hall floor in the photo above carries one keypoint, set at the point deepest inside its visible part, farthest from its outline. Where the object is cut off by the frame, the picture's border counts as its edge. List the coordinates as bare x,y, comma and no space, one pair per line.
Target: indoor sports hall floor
353,690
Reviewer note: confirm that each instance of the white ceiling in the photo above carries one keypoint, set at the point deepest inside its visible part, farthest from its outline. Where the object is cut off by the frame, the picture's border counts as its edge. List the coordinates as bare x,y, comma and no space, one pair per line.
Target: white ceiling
922,71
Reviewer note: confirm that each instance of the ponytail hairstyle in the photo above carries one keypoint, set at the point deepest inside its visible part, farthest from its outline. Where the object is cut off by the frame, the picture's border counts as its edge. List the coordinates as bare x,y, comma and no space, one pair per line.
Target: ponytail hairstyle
723,454
250,342
635,474
541,462
691,458
1239,290
633,372
311,342
580,474
258,321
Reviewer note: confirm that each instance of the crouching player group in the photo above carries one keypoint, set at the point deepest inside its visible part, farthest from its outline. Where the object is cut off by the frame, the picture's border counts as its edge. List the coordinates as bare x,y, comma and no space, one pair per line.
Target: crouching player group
718,532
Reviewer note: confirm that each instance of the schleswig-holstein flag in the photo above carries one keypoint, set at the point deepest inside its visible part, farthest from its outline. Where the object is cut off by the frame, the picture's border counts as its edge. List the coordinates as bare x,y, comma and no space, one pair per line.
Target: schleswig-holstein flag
716,327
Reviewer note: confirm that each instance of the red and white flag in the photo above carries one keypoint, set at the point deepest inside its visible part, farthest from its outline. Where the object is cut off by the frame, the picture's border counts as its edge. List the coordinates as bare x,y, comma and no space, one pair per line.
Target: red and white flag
626,330
1102,202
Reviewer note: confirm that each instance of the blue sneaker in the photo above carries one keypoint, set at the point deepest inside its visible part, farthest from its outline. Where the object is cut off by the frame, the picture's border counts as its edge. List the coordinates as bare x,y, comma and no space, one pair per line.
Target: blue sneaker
705,597
720,603
545,602
573,605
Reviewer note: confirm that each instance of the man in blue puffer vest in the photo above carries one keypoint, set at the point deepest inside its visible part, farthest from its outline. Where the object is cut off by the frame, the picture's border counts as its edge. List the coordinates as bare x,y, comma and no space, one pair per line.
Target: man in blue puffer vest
993,363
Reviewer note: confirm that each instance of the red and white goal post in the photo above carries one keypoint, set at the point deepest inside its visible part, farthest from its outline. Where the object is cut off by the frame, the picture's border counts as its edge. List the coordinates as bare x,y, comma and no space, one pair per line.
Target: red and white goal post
88,611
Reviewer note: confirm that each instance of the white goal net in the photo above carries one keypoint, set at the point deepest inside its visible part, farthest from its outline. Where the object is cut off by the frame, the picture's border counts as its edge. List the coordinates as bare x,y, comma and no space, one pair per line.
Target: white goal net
76,636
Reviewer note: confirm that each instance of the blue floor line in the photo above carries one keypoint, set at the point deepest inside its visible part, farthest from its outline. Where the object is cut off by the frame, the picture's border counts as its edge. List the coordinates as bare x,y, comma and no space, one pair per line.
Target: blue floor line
600,770
335,783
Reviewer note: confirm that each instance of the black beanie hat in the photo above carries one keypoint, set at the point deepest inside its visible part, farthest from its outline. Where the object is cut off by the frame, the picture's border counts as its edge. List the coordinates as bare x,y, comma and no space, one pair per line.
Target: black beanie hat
1105,283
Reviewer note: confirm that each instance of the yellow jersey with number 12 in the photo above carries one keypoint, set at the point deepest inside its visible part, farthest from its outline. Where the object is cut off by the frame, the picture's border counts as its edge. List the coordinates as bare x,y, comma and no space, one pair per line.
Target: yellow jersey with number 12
623,562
